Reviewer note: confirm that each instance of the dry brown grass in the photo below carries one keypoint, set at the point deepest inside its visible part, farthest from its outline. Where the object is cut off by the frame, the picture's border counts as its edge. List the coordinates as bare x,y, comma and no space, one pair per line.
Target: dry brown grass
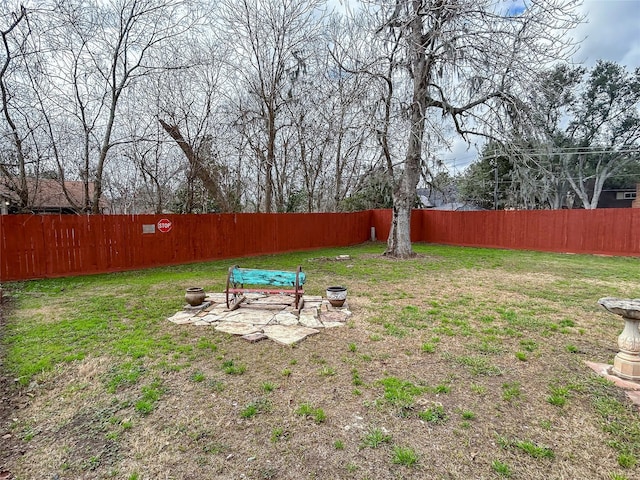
73,426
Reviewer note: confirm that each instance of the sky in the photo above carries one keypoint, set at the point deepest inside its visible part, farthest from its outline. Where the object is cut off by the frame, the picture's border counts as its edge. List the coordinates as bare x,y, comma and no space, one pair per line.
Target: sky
611,32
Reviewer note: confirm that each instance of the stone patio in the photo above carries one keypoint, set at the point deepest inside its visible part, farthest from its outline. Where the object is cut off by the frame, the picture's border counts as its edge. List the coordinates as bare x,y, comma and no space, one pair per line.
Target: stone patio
262,316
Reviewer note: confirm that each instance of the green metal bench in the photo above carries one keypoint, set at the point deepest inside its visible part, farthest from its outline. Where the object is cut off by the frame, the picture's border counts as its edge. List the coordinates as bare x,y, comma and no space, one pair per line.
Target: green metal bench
255,279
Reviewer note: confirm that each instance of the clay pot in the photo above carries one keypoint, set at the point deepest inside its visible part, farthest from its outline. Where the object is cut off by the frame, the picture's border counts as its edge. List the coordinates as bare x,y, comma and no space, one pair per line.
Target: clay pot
337,295
195,296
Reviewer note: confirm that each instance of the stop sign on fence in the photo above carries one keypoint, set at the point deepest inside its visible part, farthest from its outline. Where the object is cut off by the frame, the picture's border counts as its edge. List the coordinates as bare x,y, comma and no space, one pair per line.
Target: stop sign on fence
164,225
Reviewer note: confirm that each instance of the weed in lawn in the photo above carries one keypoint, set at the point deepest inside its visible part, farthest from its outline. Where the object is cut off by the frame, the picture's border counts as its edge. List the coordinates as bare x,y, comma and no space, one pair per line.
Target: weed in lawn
338,445
123,375
501,468
353,347
308,411
529,345
258,406
206,344
229,367
28,433
404,456
352,467
319,416
478,389
277,434
356,391
268,387
558,396
477,365
571,348
428,347
249,411
434,414
442,388
215,385
286,372
315,358
534,450
355,378
511,391
488,347
627,460
375,437
375,337
393,330
521,356
468,415
327,371
150,395
400,393
215,448
413,317
616,476
197,376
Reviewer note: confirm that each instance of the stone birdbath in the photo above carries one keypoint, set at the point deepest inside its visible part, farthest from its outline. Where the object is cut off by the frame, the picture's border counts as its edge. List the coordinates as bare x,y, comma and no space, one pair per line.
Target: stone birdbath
626,363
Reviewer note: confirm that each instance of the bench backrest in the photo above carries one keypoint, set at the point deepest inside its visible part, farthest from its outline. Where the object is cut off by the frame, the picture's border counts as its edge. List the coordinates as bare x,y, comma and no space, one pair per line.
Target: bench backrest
249,276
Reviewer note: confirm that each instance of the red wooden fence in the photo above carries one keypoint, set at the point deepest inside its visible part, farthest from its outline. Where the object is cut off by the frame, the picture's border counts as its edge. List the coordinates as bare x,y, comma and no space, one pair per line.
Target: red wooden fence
33,246
37,246
601,231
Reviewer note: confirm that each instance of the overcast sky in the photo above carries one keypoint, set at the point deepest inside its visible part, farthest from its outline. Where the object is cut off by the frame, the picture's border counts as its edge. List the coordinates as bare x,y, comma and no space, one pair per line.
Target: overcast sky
611,31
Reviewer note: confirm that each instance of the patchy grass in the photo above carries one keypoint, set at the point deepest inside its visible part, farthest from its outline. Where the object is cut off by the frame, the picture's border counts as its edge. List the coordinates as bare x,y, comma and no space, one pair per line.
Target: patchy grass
480,349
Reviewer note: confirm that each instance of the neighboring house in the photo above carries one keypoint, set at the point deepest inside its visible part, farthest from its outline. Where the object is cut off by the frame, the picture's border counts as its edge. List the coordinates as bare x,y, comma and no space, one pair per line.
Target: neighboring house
435,200
618,198
47,196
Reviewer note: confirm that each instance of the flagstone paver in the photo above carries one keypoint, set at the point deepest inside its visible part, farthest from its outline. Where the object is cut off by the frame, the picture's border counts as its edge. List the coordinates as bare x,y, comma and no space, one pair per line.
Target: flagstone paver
334,316
237,328
288,335
256,317
274,299
310,320
332,324
265,316
254,337
181,318
286,318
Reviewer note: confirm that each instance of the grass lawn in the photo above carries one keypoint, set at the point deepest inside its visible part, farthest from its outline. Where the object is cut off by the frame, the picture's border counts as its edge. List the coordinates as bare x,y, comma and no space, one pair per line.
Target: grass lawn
461,363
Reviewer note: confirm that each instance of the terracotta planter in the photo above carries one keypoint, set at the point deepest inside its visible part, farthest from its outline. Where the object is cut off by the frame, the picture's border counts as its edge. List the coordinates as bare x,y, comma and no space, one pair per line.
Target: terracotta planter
337,295
195,296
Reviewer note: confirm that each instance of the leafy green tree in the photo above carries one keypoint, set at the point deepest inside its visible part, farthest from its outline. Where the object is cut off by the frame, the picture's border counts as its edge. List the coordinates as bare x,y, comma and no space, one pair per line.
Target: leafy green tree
487,182
578,130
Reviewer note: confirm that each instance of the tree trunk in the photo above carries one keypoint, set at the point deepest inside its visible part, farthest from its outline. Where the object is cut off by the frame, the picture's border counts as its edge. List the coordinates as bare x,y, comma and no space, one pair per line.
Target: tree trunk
271,158
399,242
199,170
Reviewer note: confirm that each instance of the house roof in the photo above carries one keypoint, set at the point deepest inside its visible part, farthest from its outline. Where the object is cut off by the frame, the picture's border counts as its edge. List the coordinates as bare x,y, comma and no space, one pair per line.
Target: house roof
48,194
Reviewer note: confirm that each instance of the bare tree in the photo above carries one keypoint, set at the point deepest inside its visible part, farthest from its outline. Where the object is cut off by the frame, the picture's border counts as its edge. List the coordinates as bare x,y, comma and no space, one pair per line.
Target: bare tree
270,40
465,60
113,44
15,157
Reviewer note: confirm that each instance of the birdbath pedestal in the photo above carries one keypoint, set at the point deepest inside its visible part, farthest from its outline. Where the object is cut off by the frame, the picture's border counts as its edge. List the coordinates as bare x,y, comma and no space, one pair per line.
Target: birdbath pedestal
626,363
